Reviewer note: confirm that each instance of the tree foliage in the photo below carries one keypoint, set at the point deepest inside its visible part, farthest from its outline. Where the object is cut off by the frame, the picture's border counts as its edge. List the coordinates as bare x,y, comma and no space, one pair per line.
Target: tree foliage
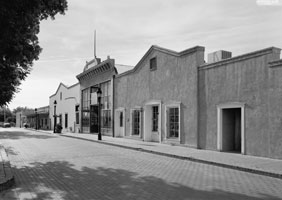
19,46
23,109
5,114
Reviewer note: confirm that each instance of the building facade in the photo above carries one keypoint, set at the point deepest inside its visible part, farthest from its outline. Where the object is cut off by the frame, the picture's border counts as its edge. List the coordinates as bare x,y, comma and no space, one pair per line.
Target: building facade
43,118
158,99
97,74
240,104
64,108
230,104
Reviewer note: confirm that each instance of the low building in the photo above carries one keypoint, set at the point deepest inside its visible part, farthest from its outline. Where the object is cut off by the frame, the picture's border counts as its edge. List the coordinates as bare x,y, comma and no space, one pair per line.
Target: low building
228,104
43,118
158,99
64,108
21,117
240,104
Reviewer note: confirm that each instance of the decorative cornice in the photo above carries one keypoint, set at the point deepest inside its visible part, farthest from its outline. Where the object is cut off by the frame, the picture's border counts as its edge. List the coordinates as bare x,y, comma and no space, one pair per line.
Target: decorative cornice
276,63
239,58
102,67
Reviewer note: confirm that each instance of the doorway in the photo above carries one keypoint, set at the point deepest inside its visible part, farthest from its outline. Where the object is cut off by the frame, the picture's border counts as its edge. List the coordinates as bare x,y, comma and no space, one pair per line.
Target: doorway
152,120
231,128
120,122
94,125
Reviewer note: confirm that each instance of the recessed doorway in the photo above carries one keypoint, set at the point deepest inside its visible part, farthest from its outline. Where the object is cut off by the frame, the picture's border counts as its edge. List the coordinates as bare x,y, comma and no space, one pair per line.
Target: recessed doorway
231,134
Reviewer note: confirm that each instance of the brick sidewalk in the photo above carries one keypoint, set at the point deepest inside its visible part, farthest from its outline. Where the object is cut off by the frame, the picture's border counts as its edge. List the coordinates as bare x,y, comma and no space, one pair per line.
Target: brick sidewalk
252,164
6,175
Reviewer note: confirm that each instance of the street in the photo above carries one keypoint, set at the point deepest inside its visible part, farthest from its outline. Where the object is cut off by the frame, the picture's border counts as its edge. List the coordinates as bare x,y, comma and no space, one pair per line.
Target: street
54,167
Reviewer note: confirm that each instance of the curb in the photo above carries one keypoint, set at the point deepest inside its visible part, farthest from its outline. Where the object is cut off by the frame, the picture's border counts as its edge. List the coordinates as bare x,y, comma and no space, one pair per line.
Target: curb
239,168
8,177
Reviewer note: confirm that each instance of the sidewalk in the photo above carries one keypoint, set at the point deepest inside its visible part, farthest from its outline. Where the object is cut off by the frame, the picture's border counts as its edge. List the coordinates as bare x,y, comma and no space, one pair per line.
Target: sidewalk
252,164
6,176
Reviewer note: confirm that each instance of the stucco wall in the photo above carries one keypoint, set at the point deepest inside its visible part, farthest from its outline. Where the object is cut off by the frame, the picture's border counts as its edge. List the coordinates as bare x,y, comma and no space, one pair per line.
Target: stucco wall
244,80
70,98
175,80
274,140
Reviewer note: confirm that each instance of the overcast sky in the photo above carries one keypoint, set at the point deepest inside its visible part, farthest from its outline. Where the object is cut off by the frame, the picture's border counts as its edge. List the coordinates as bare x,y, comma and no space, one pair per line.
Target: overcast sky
127,28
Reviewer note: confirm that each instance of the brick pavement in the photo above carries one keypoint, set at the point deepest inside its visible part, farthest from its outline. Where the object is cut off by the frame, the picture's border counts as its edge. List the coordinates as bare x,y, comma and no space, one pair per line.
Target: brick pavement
253,164
6,174
52,167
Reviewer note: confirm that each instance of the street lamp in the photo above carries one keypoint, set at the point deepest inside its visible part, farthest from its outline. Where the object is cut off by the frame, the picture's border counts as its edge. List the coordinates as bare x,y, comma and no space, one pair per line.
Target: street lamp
20,120
55,117
35,118
99,95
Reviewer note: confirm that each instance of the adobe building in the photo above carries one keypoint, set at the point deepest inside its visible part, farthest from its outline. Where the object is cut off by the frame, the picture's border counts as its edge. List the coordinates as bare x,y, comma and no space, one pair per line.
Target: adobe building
240,103
64,108
97,74
230,104
158,99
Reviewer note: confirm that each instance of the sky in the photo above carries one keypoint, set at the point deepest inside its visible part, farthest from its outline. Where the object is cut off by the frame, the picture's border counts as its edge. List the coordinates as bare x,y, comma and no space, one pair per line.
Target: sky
126,29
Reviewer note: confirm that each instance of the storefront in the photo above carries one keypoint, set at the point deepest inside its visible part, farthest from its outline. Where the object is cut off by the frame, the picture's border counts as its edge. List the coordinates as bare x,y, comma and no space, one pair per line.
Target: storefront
96,75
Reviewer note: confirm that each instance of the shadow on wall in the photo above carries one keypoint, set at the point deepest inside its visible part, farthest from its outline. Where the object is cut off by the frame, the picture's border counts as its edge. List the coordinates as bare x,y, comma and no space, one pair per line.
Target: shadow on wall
60,180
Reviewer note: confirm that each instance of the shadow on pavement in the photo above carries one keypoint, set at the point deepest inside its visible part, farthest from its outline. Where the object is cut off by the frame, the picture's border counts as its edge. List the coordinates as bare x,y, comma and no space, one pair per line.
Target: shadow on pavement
25,134
60,180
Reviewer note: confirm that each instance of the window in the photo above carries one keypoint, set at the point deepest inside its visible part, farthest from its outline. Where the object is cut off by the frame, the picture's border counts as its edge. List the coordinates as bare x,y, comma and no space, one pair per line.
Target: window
153,63
106,117
86,99
173,120
155,117
136,122
106,102
85,122
121,119
77,114
66,120
61,95
46,121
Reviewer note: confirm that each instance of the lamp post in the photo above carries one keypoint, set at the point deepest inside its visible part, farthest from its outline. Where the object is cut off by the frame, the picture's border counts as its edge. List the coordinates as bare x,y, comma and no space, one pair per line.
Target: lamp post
35,118
55,117
99,94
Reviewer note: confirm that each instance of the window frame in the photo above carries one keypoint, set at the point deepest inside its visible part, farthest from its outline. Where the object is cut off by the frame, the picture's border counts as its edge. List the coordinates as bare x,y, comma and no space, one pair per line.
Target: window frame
155,118
153,63
167,107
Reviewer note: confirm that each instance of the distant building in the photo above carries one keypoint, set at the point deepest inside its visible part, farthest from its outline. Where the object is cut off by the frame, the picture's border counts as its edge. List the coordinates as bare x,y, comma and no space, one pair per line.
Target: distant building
43,119
21,117
67,108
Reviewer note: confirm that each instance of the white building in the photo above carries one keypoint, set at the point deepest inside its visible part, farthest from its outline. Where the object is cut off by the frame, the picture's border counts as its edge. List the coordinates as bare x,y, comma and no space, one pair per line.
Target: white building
66,109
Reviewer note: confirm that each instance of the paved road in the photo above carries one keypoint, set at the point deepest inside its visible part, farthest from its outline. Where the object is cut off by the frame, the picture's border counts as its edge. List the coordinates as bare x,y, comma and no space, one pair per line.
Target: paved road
54,167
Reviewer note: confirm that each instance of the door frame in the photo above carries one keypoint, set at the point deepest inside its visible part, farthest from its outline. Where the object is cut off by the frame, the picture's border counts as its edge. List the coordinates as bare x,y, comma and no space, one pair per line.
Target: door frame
230,105
117,121
140,109
90,118
148,120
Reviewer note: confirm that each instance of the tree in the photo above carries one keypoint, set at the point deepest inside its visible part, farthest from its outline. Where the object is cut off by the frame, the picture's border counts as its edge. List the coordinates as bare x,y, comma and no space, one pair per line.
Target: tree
19,46
5,113
23,109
